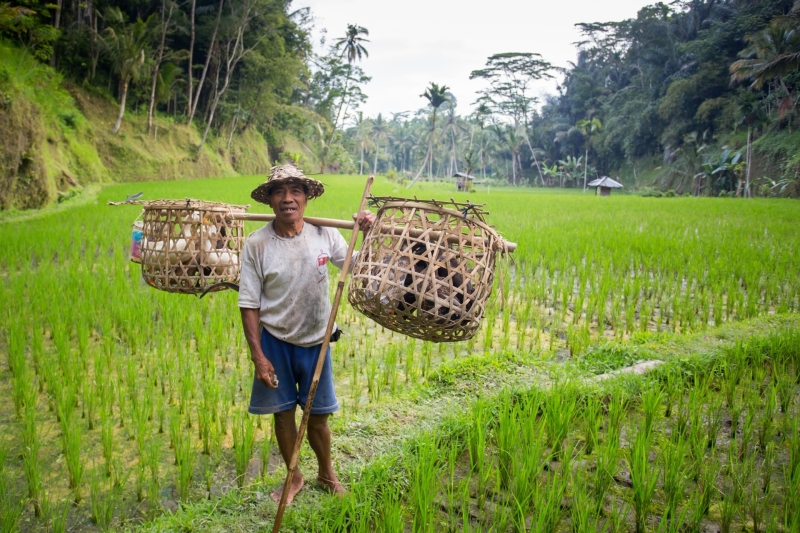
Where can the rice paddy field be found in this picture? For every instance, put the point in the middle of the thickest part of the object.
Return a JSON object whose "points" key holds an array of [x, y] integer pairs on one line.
{"points": [[123, 407]]}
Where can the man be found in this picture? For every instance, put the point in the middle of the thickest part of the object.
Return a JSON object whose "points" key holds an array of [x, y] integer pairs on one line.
{"points": [[283, 298]]}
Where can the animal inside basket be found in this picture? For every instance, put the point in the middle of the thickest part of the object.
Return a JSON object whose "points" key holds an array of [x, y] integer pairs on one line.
{"points": [[190, 245], [426, 268]]}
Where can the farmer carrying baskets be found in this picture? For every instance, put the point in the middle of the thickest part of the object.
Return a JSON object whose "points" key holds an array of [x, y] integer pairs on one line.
{"points": [[285, 307]]}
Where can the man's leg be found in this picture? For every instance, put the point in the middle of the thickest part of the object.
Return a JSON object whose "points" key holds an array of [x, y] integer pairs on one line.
{"points": [[319, 437], [286, 435]]}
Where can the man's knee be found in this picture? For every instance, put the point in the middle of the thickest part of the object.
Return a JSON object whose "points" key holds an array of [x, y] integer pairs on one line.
{"points": [[318, 423], [284, 420]]}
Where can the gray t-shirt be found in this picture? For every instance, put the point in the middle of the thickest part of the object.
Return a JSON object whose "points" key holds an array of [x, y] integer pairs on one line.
{"points": [[286, 279]]}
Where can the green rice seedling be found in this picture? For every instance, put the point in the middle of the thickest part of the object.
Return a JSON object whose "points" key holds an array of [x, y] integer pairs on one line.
{"points": [[643, 478], [651, 403], [56, 515], [243, 441], [675, 474], [591, 420], [107, 439], [713, 420], [784, 385], [507, 435], [477, 435], [617, 407], [152, 459], [583, 514], [707, 485], [766, 426], [11, 505], [187, 458], [72, 444], [755, 503], [103, 503], [618, 517], [559, 409], [390, 516], [791, 502], [748, 428], [547, 503], [729, 508], [606, 468], [767, 468], [423, 475]]}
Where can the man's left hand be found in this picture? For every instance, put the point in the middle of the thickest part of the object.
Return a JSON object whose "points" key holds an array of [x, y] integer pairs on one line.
{"points": [[364, 220]]}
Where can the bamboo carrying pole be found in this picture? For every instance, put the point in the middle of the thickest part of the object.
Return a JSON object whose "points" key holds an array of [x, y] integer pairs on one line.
{"points": [[312, 391], [348, 224]]}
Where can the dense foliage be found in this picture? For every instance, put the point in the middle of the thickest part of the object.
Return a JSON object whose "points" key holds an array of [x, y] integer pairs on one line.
{"points": [[226, 66]]}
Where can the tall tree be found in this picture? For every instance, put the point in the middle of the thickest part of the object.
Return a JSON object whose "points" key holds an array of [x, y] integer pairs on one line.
{"points": [[588, 127], [350, 47], [380, 131], [436, 96], [127, 46], [166, 19]]}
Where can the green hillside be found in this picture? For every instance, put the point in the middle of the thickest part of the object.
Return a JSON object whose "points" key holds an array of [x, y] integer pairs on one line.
{"points": [[56, 138]]}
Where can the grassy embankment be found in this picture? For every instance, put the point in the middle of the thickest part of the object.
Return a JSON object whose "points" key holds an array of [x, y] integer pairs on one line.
{"points": [[55, 139]]}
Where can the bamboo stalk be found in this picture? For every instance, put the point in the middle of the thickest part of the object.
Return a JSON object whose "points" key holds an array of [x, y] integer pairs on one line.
{"points": [[312, 391], [348, 224]]}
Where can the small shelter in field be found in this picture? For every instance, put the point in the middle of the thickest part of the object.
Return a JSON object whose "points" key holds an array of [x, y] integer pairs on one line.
{"points": [[463, 181], [604, 185]]}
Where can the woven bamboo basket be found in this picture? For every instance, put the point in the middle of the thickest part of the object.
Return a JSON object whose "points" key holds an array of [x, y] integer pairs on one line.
{"points": [[190, 245], [426, 268]]}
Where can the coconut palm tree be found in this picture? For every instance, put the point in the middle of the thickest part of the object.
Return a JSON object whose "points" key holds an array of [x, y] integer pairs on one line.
{"points": [[380, 130], [436, 96], [351, 48], [127, 46], [587, 128]]}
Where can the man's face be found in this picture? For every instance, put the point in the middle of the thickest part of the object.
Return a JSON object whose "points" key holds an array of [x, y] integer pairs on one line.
{"points": [[289, 201]]}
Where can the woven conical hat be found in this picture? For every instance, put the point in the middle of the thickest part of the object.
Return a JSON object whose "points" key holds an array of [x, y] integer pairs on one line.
{"points": [[285, 174]]}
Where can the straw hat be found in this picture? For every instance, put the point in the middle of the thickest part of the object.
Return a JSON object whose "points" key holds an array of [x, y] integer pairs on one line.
{"points": [[285, 174]]}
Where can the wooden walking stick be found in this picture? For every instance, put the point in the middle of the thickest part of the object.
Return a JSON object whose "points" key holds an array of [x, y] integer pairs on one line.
{"points": [[318, 370]]}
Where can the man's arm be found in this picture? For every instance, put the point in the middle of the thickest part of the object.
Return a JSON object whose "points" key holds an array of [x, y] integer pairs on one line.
{"points": [[265, 373]]}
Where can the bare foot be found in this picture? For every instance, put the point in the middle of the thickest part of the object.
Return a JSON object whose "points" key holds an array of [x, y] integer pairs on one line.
{"points": [[332, 485], [297, 484]]}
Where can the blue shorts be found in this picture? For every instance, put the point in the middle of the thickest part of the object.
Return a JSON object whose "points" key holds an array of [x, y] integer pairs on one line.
{"points": [[294, 368]]}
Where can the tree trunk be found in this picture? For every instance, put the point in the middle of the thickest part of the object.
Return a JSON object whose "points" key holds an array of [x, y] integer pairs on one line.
{"points": [[196, 96], [234, 52], [377, 150], [154, 83], [341, 104], [123, 97], [585, 166], [56, 25], [747, 193], [190, 79], [361, 168]]}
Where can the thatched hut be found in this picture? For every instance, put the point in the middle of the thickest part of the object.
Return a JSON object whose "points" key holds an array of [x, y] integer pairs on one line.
{"points": [[604, 185]]}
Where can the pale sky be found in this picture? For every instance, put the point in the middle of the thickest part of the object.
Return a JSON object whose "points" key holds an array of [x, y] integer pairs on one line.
{"points": [[414, 42]]}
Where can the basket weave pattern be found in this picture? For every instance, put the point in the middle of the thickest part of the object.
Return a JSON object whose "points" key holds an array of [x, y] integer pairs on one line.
{"points": [[425, 269], [189, 245]]}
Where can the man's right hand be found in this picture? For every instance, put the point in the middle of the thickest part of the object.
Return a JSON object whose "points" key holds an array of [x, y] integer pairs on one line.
{"points": [[265, 373]]}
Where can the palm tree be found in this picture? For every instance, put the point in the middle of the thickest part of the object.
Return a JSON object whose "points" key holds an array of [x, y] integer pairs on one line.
{"points": [[126, 46], [772, 53], [587, 128], [351, 48], [363, 128], [380, 130], [752, 114], [436, 96], [351, 43]]}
